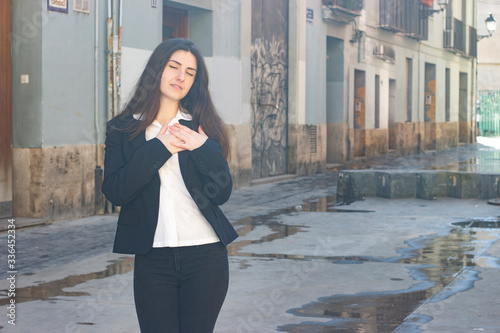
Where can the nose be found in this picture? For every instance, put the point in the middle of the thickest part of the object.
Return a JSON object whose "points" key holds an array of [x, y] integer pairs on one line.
{"points": [[181, 76]]}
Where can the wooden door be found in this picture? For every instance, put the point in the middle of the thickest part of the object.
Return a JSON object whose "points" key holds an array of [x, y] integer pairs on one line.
{"points": [[5, 109], [269, 88], [174, 23]]}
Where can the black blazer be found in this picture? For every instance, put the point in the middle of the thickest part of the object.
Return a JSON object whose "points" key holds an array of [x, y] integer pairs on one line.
{"points": [[131, 180]]}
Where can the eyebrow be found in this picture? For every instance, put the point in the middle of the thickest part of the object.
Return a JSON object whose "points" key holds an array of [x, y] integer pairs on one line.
{"points": [[178, 63]]}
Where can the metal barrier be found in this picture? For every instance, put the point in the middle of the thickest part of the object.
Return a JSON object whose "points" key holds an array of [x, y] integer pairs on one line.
{"points": [[488, 119]]}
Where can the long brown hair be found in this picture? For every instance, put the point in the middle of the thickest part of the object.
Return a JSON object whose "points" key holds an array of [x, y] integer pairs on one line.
{"points": [[145, 101]]}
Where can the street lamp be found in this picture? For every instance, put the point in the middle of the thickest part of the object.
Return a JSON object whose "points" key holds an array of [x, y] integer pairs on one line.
{"points": [[491, 26], [429, 12]]}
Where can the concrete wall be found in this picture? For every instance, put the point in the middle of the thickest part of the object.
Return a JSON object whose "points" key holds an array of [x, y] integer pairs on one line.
{"points": [[141, 33], [28, 19], [67, 79], [54, 125]]}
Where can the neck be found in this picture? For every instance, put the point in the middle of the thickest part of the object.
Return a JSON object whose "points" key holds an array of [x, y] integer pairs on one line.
{"points": [[168, 110]]}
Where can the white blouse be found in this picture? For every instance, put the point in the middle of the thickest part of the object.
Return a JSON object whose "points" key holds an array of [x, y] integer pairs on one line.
{"points": [[180, 221]]}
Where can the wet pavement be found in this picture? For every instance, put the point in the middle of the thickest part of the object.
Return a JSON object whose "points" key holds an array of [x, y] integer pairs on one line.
{"points": [[480, 157], [304, 262]]}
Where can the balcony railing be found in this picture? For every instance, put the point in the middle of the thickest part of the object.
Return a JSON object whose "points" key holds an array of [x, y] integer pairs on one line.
{"points": [[416, 25], [404, 16], [350, 5], [342, 10], [454, 39], [472, 42], [392, 15]]}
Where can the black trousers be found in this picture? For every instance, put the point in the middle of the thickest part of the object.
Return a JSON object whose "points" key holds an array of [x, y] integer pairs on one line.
{"points": [[180, 289]]}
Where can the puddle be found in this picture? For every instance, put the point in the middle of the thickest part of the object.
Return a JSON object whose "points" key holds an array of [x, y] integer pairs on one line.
{"points": [[439, 260], [278, 230], [53, 289], [49, 290], [493, 223], [328, 204]]}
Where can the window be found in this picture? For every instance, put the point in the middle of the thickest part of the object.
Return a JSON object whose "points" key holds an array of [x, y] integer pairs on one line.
{"points": [[403, 16], [174, 23], [81, 6], [377, 101], [409, 88], [447, 97]]}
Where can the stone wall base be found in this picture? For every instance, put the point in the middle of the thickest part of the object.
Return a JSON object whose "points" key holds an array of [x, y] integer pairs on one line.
{"points": [[307, 149], [54, 183], [240, 163]]}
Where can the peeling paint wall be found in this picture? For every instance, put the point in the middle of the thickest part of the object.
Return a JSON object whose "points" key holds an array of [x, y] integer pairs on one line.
{"points": [[377, 142], [309, 158], [54, 183], [446, 135]]}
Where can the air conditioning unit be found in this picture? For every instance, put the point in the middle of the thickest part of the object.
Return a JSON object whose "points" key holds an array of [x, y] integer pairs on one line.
{"points": [[448, 39]]}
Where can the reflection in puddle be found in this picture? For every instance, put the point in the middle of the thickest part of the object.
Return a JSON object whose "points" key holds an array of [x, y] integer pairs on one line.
{"points": [[439, 259], [480, 223], [328, 204], [466, 158], [49, 290]]}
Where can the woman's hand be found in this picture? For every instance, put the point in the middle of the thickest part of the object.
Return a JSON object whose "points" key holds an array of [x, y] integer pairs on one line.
{"points": [[187, 138], [169, 140]]}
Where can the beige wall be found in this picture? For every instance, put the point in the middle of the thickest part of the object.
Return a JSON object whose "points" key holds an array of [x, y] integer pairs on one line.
{"points": [[488, 49]]}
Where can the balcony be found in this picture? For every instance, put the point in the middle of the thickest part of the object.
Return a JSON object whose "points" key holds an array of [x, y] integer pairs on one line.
{"points": [[404, 16], [416, 25], [392, 15], [472, 42], [454, 38], [343, 11]]}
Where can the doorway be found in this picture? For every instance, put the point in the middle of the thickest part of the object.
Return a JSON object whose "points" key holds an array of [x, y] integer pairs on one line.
{"points": [[335, 99], [430, 107], [175, 23], [392, 114], [5, 110], [359, 113], [462, 109], [269, 88]]}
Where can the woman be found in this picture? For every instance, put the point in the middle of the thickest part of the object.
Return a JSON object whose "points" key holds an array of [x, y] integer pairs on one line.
{"points": [[165, 164]]}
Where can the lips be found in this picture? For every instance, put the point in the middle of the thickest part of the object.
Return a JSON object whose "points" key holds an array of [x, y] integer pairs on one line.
{"points": [[176, 86]]}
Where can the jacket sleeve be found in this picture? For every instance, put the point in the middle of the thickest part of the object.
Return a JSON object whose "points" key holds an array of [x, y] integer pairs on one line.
{"points": [[214, 170], [124, 180]]}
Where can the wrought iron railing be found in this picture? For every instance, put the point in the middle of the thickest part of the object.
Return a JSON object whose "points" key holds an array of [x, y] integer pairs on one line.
{"points": [[454, 39], [459, 35], [488, 119], [416, 25], [472, 42], [392, 15], [404, 16], [350, 5]]}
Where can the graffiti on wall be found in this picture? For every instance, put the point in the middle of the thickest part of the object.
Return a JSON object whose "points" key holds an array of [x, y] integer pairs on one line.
{"points": [[269, 107]]}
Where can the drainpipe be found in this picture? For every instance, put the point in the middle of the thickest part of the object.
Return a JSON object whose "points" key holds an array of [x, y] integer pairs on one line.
{"points": [[109, 80], [110, 62], [114, 58], [119, 58], [99, 207]]}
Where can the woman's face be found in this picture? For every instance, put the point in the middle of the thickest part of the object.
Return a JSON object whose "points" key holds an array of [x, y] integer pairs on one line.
{"points": [[178, 75]]}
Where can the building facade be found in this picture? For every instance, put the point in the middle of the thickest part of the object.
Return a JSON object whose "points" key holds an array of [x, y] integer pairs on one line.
{"points": [[488, 72], [300, 84]]}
